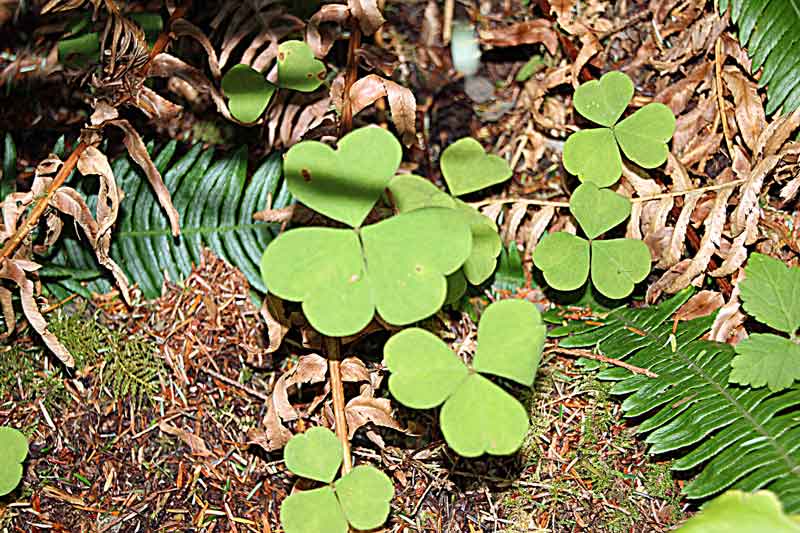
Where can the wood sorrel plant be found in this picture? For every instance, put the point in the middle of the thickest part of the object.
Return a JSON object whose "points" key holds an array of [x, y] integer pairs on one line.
{"points": [[398, 269]]}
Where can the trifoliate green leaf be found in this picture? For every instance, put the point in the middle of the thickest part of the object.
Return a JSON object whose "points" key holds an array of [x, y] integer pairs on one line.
{"points": [[770, 292], [563, 259], [398, 268], [13, 451], [313, 511], [618, 265], [298, 69], [343, 184], [742, 512], [480, 417], [456, 287], [593, 156], [766, 359], [643, 136], [247, 91], [598, 210], [410, 192], [510, 341], [467, 168], [603, 101], [315, 454], [364, 494], [424, 371]]}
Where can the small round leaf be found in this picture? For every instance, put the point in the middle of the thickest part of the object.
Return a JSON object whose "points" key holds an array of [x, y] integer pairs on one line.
{"points": [[563, 259], [364, 495], [593, 155], [247, 91], [315, 454], [13, 451], [598, 210], [298, 69], [480, 417], [618, 265], [424, 371], [643, 136], [603, 101], [313, 511], [467, 168], [343, 184], [510, 340]]}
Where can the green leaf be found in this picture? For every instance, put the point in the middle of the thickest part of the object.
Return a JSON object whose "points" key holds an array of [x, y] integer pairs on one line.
{"points": [[593, 155], [364, 494], [510, 341], [742, 512], [9, 175], [247, 91], [315, 454], [79, 51], [598, 210], [480, 417], [531, 67], [400, 273], [486, 245], [424, 371], [313, 511], [563, 259], [467, 168], [510, 274], [766, 359], [298, 69], [411, 192], [456, 287], [643, 136], [770, 292], [343, 184], [605, 100], [14, 448], [618, 265]]}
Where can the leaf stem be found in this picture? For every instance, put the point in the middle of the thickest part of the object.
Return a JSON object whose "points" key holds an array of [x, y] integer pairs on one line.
{"points": [[350, 77], [333, 349]]}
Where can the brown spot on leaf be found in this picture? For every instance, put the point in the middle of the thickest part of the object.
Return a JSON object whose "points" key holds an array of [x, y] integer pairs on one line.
{"points": [[306, 174]]}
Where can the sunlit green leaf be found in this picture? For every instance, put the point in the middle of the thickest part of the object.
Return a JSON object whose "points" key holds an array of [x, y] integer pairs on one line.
{"points": [[13, 451], [313, 511], [315, 454], [298, 69], [771, 292], [364, 494], [643, 136], [742, 512], [593, 155], [598, 210], [603, 101], [563, 259], [766, 359], [467, 168], [410, 192], [618, 265], [247, 91]]}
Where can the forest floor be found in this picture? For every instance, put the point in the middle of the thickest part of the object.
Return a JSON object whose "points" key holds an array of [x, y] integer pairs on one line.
{"points": [[175, 447]]}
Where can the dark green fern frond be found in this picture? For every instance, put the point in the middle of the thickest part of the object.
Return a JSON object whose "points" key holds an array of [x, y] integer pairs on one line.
{"points": [[737, 437], [216, 202], [770, 31]]}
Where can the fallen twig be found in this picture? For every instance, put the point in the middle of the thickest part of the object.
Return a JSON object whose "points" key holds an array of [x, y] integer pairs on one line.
{"points": [[603, 358]]}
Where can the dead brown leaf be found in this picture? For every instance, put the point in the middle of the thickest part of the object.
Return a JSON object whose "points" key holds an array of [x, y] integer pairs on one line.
{"points": [[749, 110], [370, 88], [195, 443], [519, 33], [701, 304], [368, 15]]}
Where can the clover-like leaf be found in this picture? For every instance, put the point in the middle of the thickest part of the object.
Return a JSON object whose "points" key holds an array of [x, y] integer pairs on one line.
{"points": [[510, 341], [593, 156], [478, 416], [618, 265], [364, 494], [598, 210], [771, 292], [411, 192], [742, 512], [13, 451], [766, 359], [315, 454], [247, 91], [298, 69], [343, 184], [456, 287], [467, 168], [563, 258], [397, 267], [643, 136], [313, 511], [603, 101]]}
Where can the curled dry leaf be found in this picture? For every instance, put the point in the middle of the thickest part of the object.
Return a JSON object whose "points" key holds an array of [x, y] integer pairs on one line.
{"points": [[749, 110], [519, 33], [168, 66], [195, 443], [368, 15], [184, 28], [156, 106], [365, 409], [727, 325], [277, 323], [310, 369], [538, 226], [590, 46], [701, 304], [319, 36], [7, 308]]}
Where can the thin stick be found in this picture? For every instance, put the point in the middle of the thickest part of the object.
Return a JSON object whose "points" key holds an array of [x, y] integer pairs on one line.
{"points": [[351, 75], [603, 358], [333, 348], [225, 379], [447, 23], [720, 100]]}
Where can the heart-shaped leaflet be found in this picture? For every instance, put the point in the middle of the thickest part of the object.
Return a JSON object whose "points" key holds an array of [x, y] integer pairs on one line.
{"points": [[298, 69], [603, 101], [643, 136], [315, 454], [466, 167], [14, 448], [598, 210], [343, 184], [247, 91]]}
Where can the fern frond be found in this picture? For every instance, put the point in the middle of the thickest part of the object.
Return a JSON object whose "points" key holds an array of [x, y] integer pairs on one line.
{"points": [[216, 202], [738, 437], [770, 30]]}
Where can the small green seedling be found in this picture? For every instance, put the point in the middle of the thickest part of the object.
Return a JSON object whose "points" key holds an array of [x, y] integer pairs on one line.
{"points": [[248, 92], [360, 499], [477, 416], [742, 512], [13, 451], [770, 293], [616, 264], [467, 168], [298, 69], [593, 155]]}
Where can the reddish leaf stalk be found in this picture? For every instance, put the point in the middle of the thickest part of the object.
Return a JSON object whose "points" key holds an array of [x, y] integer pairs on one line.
{"points": [[333, 348]]}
